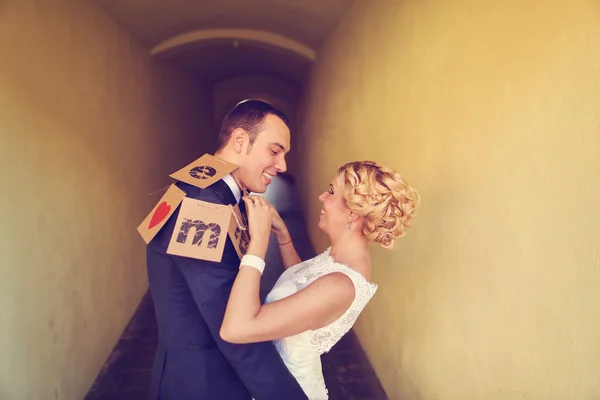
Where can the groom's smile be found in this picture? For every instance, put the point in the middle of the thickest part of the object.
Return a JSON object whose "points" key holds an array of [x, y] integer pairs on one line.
{"points": [[265, 158]]}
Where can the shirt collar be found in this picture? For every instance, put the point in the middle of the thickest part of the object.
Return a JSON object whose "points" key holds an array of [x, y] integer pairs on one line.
{"points": [[237, 193]]}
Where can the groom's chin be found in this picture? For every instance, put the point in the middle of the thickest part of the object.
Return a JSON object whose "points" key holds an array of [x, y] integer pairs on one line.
{"points": [[258, 188]]}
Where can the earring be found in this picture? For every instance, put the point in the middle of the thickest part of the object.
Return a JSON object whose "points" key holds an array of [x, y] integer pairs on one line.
{"points": [[348, 226]]}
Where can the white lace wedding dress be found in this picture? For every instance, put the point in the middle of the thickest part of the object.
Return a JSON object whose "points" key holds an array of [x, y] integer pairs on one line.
{"points": [[302, 353]]}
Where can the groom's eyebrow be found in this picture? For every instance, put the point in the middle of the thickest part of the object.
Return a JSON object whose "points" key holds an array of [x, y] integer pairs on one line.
{"points": [[278, 145]]}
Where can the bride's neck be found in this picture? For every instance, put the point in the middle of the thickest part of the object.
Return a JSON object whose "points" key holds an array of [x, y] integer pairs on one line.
{"points": [[350, 250]]}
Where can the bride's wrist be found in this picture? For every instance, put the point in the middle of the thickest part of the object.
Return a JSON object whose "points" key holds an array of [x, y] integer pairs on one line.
{"points": [[257, 249], [283, 238]]}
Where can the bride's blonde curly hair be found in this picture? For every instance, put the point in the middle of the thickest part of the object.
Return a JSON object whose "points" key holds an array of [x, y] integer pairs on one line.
{"points": [[381, 196]]}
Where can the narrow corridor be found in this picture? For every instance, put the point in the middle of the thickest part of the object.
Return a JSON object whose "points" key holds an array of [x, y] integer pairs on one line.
{"points": [[348, 373], [489, 109]]}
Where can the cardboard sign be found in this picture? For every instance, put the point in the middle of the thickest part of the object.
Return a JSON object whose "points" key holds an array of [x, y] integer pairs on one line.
{"points": [[238, 231], [200, 230], [204, 171], [161, 213]]}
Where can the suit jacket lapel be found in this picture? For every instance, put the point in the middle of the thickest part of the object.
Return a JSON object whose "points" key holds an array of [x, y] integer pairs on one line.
{"points": [[223, 192]]}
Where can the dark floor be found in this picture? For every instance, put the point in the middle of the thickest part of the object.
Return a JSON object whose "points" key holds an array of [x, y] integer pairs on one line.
{"points": [[126, 373]]}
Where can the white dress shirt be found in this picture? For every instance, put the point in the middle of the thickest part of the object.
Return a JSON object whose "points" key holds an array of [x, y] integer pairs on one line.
{"points": [[237, 193]]}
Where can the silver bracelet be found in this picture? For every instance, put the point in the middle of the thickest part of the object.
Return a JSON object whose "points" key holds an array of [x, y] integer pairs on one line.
{"points": [[254, 262]]}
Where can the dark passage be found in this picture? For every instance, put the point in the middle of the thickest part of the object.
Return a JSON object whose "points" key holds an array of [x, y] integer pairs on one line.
{"points": [[126, 373]]}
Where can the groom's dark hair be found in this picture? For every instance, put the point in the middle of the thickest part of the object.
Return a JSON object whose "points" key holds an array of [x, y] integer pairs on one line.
{"points": [[248, 115]]}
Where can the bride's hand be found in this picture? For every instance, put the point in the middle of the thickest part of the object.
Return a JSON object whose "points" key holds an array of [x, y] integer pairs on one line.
{"points": [[278, 226], [260, 217]]}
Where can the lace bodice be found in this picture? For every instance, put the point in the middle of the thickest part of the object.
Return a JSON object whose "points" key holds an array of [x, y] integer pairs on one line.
{"points": [[301, 353]]}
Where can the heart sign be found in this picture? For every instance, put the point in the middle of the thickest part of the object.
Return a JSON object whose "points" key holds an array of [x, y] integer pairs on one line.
{"points": [[161, 212]]}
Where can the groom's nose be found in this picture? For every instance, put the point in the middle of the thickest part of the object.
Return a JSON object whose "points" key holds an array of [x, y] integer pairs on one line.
{"points": [[281, 165]]}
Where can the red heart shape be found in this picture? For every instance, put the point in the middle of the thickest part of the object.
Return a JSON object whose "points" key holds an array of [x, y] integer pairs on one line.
{"points": [[161, 212]]}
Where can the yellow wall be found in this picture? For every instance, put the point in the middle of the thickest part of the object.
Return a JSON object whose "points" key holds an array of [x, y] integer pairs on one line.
{"points": [[279, 92], [89, 126], [492, 111]]}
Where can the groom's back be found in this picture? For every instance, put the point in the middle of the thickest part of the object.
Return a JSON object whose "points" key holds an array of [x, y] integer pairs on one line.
{"points": [[188, 362]]}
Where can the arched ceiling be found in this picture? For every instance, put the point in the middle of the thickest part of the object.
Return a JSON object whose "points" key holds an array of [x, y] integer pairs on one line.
{"points": [[219, 39]]}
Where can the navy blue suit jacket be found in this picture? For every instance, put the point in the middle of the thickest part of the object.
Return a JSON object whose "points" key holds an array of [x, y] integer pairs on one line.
{"points": [[190, 297]]}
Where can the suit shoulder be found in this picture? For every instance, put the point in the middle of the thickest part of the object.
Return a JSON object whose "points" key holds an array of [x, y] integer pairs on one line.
{"points": [[194, 192]]}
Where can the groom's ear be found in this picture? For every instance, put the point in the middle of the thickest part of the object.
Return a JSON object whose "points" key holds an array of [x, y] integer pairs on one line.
{"points": [[238, 139]]}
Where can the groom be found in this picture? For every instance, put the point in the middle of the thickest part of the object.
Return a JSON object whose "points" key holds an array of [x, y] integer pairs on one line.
{"points": [[190, 295]]}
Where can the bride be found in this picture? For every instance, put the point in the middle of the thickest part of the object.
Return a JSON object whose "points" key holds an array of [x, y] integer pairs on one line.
{"points": [[315, 302]]}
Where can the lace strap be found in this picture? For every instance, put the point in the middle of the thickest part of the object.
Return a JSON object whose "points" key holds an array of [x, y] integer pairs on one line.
{"points": [[323, 339]]}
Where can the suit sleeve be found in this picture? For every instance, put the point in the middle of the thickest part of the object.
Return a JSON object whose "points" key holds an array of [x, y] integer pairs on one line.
{"points": [[258, 365]]}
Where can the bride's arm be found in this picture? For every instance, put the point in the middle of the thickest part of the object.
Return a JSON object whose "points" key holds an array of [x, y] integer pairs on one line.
{"points": [[317, 305], [289, 255]]}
